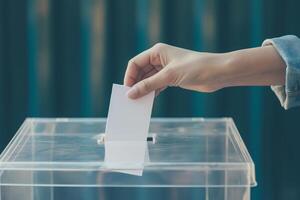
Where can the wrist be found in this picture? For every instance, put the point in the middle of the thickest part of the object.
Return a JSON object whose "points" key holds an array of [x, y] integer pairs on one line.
{"points": [[213, 71]]}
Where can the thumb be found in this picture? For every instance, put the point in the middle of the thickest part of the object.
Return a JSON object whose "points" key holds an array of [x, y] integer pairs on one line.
{"points": [[158, 80]]}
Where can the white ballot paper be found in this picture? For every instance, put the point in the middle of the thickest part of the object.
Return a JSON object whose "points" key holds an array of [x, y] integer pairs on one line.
{"points": [[126, 131]]}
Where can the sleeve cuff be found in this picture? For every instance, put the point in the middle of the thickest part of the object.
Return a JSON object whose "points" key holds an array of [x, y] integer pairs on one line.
{"points": [[288, 48]]}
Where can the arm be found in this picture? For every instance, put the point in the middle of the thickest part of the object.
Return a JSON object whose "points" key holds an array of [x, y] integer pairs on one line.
{"points": [[260, 66], [164, 65]]}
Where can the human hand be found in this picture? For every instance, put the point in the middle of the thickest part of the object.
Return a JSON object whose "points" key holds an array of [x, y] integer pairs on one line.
{"points": [[165, 65]]}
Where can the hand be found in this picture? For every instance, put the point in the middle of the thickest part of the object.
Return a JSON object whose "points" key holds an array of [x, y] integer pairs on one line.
{"points": [[164, 65]]}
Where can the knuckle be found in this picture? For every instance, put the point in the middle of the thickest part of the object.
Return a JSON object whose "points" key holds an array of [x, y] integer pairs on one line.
{"points": [[159, 46], [131, 62]]}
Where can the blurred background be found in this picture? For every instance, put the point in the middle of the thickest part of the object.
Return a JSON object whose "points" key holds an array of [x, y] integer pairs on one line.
{"points": [[59, 58]]}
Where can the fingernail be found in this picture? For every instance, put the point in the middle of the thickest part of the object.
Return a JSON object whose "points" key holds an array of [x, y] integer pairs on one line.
{"points": [[132, 92]]}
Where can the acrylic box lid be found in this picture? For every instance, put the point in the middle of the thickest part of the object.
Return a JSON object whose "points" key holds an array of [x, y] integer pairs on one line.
{"points": [[183, 152]]}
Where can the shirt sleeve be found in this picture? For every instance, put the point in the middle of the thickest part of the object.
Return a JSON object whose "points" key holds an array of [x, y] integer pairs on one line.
{"points": [[288, 48]]}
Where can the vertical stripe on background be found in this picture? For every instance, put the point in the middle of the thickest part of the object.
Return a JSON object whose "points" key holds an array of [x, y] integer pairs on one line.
{"points": [[154, 21], [198, 12], [142, 21], [98, 52], [256, 98], [32, 34], [67, 56], [85, 86], [3, 35], [45, 75], [17, 62], [198, 99]]}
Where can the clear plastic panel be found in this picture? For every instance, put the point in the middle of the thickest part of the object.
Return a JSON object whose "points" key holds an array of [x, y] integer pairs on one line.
{"points": [[183, 153]]}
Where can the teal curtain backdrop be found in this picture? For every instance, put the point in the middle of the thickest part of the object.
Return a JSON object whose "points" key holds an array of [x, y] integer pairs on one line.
{"points": [[59, 58]]}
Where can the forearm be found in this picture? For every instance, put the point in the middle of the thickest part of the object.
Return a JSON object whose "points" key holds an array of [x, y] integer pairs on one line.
{"points": [[256, 66]]}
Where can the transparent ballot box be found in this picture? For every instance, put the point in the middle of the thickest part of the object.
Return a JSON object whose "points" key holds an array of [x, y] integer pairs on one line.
{"points": [[189, 158]]}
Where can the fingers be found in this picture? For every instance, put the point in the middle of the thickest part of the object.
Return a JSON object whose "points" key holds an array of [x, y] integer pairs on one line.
{"points": [[144, 62], [145, 72], [154, 82], [136, 67]]}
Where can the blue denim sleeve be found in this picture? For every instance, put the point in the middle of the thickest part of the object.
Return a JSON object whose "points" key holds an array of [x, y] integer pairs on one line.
{"points": [[289, 49]]}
